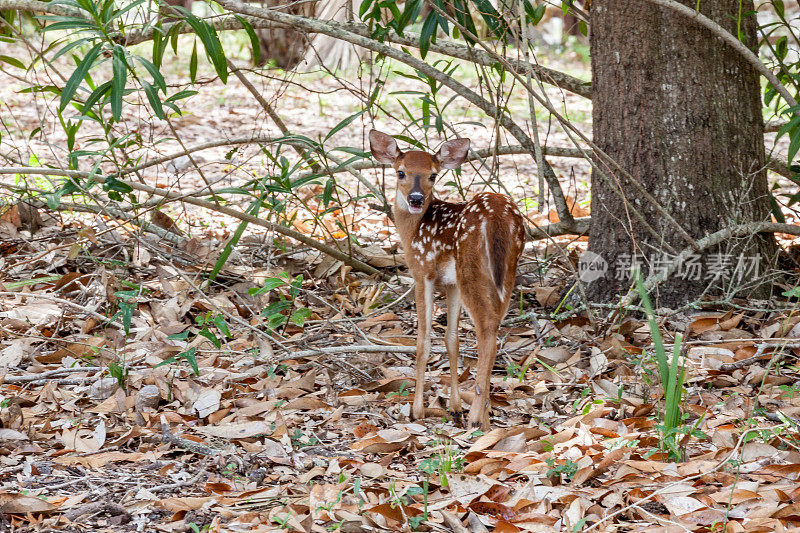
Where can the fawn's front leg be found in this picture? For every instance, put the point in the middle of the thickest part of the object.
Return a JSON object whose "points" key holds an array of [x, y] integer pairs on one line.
{"points": [[423, 296], [451, 342]]}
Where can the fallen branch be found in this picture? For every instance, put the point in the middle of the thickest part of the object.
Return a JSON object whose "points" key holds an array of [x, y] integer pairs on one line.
{"points": [[50, 373], [705, 243], [194, 447]]}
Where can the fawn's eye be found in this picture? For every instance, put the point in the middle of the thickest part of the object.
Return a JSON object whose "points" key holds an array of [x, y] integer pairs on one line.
{"points": [[433, 176], [401, 175]]}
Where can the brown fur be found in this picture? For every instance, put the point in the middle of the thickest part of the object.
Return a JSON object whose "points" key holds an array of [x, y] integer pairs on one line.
{"points": [[468, 249]]}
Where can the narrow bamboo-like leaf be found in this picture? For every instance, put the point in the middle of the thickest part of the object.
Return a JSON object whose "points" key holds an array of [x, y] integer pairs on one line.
{"points": [[77, 24], [193, 63], [77, 76], [119, 12], [343, 124], [364, 7], [492, 17], [789, 126], [226, 252], [96, 95], [794, 144], [13, 61], [120, 72], [158, 78], [70, 46], [180, 95], [152, 97], [159, 46], [427, 34], [658, 341], [254, 42], [208, 36]]}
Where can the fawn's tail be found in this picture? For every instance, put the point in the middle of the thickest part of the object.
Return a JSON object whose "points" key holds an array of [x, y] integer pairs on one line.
{"points": [[498, 243]]}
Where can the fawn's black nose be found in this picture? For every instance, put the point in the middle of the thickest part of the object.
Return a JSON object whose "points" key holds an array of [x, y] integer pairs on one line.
{"points": [[416, 199]]}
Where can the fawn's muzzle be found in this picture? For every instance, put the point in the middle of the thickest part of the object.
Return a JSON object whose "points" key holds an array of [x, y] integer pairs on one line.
{"points": [[416, 199]]}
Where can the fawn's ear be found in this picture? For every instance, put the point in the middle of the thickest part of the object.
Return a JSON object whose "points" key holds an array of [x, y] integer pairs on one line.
{"points": [[383, 147], [453, 153]]}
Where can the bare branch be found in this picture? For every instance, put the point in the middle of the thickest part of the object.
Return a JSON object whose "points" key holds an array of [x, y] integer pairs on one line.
{"points": [[705, 243], [411, 39]]}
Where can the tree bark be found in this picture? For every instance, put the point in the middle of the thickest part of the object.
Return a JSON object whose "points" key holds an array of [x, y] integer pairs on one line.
{"points": [[680, 110], [285, 46]]}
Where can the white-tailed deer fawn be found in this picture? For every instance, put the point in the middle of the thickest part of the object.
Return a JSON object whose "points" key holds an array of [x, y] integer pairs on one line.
{"points": [[470, 250]]}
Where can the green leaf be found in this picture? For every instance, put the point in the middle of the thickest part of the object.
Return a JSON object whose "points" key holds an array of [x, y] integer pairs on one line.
{"points": [[158, 78], [77, 76], [226, 252], [299, 317], [152, 97], [191, 358], [210, 336], [492, 17], [343, 124], [113, 184], [96, 95], [119, 12], [180, 95], [70, 46], [120, 71], [208, 36], [364, 7], [782, 48], [159, 46], [14, 62], [71, 25], [193, 63], [219, 321], [779, 8], [427, 33], [254, 42], [794, 144], [350, 150]]}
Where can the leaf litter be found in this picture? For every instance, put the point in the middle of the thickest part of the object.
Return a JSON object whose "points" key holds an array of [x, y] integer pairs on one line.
{"points": [[98, 432]]}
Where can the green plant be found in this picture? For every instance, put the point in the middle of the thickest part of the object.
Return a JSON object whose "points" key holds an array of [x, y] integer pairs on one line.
{"points": [[205, 322], [401, 392], [283, 311], [198, 529], [671, 373], [119, 372], [517, 371], [565, 470], [300, 440]]}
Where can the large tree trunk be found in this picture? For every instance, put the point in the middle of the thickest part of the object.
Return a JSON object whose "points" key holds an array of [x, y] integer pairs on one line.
{"points": [[284, 46], [681, 112]]}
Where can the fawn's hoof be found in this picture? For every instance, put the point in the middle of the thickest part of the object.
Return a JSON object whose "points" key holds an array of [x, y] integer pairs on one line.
{"points": [[458, 417]]}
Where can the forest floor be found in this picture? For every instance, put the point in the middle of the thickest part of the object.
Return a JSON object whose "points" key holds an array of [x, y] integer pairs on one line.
{"points": [[137, 396]]}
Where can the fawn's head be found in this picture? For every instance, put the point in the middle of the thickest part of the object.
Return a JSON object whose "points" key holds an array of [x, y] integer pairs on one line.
{"points": [[416, 170]]}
